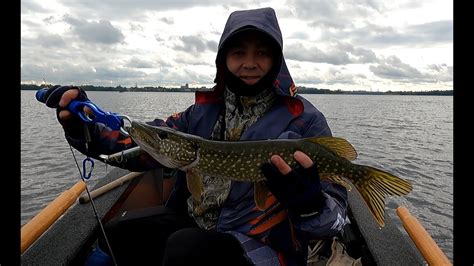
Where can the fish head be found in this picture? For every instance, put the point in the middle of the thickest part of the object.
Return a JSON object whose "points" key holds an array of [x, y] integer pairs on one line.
{"points": [[171, 148], [146, 136]]}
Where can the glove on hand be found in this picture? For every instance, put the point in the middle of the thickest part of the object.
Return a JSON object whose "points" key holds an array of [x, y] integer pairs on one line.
{"points": [[53, 95], [73, 127], [299, 190]]}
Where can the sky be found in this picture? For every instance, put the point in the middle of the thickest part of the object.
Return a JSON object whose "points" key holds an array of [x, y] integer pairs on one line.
{"points": [[371, 45]]}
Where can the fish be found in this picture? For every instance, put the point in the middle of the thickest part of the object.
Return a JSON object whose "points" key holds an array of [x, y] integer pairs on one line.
{"points": [[242, 161]]}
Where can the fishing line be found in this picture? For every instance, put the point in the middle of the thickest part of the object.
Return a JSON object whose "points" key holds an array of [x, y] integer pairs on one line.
{"points": [[93, 207]]}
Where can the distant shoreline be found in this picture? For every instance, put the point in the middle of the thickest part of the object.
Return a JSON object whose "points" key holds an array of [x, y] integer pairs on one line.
{"points": [[301, 90]]}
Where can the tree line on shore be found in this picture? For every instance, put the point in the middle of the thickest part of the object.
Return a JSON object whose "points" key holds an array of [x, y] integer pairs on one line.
{"points": [[301, 90]]}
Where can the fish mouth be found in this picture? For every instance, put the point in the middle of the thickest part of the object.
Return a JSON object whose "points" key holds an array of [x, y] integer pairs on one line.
{"points": [[143, 134]]}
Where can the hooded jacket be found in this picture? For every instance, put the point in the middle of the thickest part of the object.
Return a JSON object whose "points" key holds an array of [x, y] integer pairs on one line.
{"points": [[269, 236]]}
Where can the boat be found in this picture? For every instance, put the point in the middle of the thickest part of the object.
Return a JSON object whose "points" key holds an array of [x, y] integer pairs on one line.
{"points": [[71, 237]]}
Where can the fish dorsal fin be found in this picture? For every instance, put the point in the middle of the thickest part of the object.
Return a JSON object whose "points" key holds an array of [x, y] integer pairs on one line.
{"points": [[339, 146]]}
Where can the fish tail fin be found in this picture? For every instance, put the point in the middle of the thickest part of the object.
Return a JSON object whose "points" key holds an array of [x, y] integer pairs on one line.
{"points": [[379, 185]]}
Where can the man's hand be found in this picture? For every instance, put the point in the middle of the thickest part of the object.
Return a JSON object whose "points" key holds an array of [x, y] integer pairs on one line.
{"points": [[60, 96], [299, 189], [284, 168]]}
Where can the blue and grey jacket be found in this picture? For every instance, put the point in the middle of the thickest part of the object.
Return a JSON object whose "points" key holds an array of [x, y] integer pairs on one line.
{"points": [[268, 236]]}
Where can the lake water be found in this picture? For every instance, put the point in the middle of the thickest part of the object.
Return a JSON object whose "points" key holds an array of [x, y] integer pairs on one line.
{"points": [[409, 136]]}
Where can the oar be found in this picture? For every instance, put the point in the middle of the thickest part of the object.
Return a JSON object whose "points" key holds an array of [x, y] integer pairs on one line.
{"points": [[43, 220], [109, 186], [422, 239]]}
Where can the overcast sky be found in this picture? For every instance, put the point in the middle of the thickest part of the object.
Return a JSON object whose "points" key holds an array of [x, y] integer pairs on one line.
{"points": [[348, 45]]}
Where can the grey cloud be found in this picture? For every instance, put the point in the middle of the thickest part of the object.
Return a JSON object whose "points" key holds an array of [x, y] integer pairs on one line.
{"points": [[328, 23], [393, 68], [158, 38], [339, 54], [32, 7], [212, 45], [102, 32], [301, 53], [57, 73], [334, 14], [441, 72], [307, 80], [139, 63], [437, 67], [336, 19], [191, 60], [299, 35], [365, 56], [421, 34], [113, 73], [30, 23], [371, 33], [65, 73], [358, 55], [135, 27], [112, 9], [437, 31], [335, 76], [313, 9], [169, 21], [51, 40], [195, 44], [51, 20]]}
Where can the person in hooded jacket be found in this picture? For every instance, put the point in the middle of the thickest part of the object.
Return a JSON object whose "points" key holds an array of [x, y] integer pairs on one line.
{"points": [[254, 99]]}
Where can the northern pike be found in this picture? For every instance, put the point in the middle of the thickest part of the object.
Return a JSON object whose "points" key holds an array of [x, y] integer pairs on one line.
{"points": [[241, 161]]}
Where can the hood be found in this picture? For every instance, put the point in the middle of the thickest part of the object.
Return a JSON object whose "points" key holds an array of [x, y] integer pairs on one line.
{"points": [[265, 20]]}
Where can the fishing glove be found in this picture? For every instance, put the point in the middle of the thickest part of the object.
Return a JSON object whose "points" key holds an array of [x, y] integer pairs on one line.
{"points": [[299, 190], [73, 127]]}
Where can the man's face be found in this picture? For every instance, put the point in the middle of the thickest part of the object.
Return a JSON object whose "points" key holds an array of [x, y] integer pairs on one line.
{"points": [[250, 57]]}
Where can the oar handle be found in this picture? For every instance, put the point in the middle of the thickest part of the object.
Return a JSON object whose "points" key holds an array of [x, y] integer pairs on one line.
{"points": [[109, 186], [45, 218], [422, 239]]}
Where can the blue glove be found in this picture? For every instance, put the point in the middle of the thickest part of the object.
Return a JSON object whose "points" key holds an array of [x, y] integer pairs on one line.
{"points": [[52, 96], [73, 127], [299, 190]]}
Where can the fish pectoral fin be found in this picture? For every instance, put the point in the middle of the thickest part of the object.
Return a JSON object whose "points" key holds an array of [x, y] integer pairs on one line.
{"points": [[339, 146], [194, 182], [260, 194]]}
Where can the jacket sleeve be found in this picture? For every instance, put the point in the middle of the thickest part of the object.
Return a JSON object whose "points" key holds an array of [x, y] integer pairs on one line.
{"points": [[106, 141]]}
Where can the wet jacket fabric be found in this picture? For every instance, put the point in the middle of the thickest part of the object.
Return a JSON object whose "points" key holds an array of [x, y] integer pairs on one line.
{"points": [[269, 237]]}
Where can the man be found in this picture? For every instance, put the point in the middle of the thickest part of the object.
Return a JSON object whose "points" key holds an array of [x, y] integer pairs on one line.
{"points": [[254, 98]]}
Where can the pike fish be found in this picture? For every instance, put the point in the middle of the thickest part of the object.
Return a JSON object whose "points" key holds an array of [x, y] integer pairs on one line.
{"points": [[241, 161]]}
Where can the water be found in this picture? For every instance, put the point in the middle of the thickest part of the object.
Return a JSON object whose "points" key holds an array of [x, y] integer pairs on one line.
{"points": [[410, 136]]}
